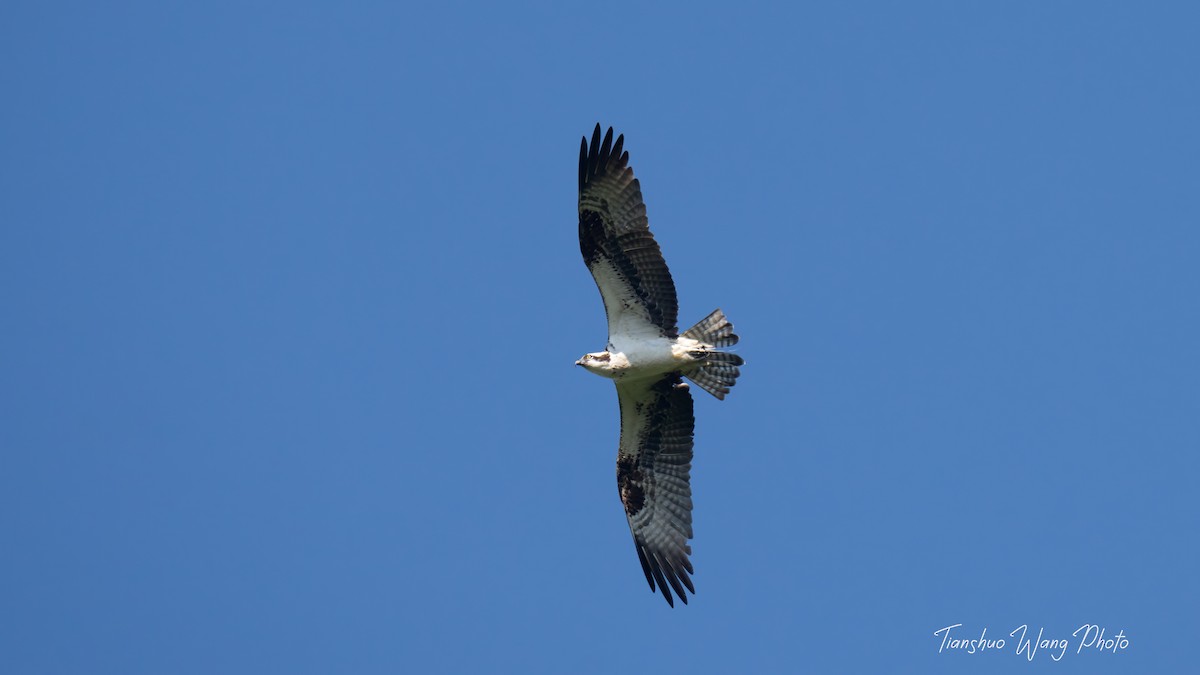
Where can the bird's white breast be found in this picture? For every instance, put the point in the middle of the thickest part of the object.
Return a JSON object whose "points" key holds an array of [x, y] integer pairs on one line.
{"points": [[648, 356]]}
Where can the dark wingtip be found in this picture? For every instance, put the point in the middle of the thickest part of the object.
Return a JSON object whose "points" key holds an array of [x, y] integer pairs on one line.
{"points": [[645, 564], [662, 584], [606, 147], [583, 162], [596, 157], [685, 579], [592, 154], [667, 576]]}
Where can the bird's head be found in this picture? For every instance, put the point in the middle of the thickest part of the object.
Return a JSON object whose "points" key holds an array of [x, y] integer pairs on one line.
{"points": [[600, 363]]}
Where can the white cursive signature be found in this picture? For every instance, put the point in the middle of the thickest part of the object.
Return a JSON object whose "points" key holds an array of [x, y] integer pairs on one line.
{"points": [[1090, 636]]}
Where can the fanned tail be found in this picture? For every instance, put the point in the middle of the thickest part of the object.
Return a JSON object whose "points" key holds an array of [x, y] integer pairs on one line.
{"points": [[715, 372], [713, 329]]}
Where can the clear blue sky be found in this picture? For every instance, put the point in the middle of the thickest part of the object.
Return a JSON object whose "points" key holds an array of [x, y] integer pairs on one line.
{"points": [[291, 296]]}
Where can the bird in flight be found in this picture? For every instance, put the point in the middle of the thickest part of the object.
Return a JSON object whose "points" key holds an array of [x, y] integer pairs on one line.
{"points": [[647, 358]]}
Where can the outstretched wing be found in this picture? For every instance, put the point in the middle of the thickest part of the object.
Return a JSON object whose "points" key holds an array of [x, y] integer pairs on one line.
{"points": [[614, 237], [653, 464]]}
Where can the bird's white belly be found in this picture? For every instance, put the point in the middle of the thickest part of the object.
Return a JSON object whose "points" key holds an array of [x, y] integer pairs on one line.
{"points": [[648, 357]]}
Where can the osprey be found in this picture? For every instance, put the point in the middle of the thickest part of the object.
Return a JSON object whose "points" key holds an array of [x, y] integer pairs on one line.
{"points": [[647, 358]]}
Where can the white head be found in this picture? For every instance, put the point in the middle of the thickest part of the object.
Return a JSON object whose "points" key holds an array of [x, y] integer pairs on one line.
{"points": [[600, 363]]}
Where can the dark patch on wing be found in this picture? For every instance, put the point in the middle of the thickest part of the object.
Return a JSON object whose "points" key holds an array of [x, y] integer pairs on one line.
{"points": [[629, 485], [653, 480], [613, 227]]}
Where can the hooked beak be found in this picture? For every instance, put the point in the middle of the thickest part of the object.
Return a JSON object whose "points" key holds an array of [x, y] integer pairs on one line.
{"points": [[579, 363]]}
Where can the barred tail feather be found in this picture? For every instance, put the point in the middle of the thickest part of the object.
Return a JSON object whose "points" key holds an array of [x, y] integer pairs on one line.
{"points": [[715, 372], [713, 329]]}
